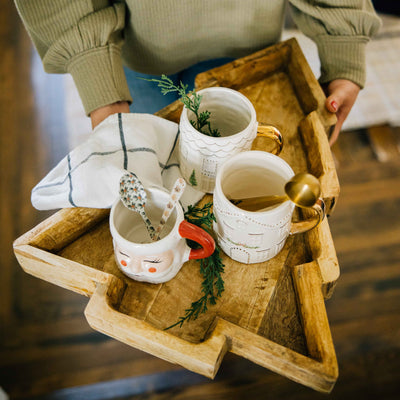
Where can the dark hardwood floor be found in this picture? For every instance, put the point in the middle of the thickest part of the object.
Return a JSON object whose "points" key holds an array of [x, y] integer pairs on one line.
{"points": [[47, 349]]}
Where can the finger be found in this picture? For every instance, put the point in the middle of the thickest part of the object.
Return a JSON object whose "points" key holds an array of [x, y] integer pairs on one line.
{"points": [[334, 102], [335, 134], [341, 117]]}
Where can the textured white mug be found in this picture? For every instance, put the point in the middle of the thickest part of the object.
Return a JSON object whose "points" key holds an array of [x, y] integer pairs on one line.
{"points": [[234, 116], [255, 236], [142, 259]]}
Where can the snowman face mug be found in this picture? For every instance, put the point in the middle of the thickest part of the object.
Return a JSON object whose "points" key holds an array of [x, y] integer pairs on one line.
{"points": [[256, 236], [234, 116], [143, 259]]}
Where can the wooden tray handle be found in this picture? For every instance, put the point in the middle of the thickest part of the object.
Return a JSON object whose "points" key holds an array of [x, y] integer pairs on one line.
{"points": [[203, 358]]}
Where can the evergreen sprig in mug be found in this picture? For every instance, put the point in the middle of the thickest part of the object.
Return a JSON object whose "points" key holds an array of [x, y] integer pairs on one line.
{"points": [[234, 116]]}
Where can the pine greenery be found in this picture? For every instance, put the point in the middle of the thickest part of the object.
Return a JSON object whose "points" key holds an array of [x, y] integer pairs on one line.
{"points": [[211, 268], [192, 179], [191, 101]]}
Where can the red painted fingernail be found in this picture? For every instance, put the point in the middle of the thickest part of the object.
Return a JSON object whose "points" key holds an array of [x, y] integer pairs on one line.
{"points": [[334, 105]]}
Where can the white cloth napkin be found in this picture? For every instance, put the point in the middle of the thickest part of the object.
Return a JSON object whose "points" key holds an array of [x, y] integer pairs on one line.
{"points": [[89, 175]]}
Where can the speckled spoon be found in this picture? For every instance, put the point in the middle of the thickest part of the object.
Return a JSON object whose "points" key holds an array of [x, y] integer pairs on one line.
{"points": [[133, 196], [175, 195]]}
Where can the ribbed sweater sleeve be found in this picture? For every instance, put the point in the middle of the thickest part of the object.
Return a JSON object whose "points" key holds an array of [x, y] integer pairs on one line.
{"points": [[341, 30], [83, 38]]}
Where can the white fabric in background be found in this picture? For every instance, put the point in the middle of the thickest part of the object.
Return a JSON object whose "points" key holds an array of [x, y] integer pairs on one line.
{"points": [[89, 175], [379, 102]]}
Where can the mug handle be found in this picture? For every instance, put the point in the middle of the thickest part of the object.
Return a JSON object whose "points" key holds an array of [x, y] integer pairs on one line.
{"points": [[308, 224], [195, 233], [272, 133]]}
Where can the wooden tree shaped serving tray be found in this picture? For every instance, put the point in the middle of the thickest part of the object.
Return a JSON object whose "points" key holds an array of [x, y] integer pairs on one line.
{"points": [[272, 313]]}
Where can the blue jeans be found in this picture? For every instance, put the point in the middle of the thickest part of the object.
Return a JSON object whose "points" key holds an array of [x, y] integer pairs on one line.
{"points": [[147, 96]]}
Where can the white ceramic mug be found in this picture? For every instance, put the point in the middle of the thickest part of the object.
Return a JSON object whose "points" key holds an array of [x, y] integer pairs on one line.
{"points": [[234, 116], [142, 259], [255, 236]]}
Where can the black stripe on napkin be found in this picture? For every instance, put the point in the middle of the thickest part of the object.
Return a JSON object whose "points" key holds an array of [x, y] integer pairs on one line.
{"points": [[170, 166], [121, 134], [70, 182], [170, 154]]}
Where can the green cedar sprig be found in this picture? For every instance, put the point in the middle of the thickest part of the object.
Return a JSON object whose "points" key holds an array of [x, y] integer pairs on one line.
{"points": [[192, 179], [191, 101], [201, 216], [211, 268]]}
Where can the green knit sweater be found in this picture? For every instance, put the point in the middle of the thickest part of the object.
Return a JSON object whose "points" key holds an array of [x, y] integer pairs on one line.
{"points": [[92, 39]]}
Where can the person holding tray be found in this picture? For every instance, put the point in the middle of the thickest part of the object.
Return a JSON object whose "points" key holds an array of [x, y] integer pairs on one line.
{"points": [[101, 42]]}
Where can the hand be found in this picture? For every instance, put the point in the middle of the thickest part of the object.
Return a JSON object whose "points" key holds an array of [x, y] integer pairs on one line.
{"points": [[342, 95], [100, 114]]}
